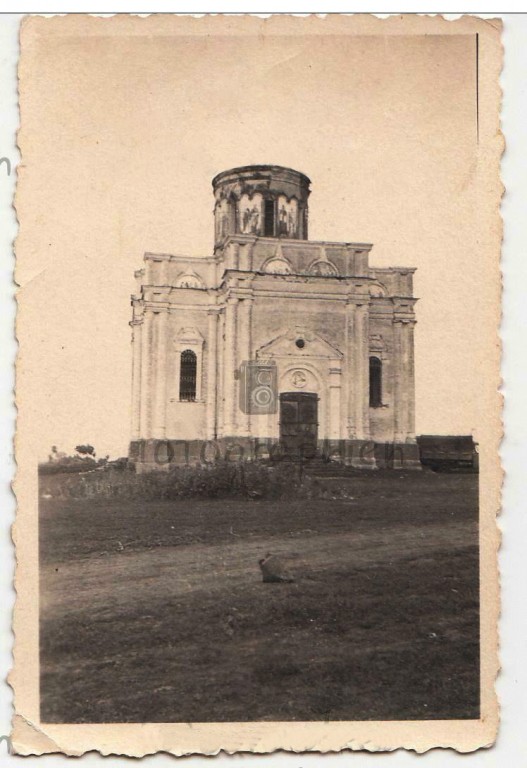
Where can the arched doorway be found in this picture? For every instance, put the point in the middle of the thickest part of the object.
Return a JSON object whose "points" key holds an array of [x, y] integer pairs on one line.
{"points": [[299, 424]]}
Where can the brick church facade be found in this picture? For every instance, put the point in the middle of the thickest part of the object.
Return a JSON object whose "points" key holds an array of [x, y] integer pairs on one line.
{"points": [[273, 345]]}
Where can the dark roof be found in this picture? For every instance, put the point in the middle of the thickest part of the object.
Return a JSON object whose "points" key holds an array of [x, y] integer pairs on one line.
{"points": [[257, 169]]}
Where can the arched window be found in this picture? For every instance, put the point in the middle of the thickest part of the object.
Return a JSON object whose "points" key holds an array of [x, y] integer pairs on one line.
{"points": [[375, 382], [269, 218], [187, 376]]}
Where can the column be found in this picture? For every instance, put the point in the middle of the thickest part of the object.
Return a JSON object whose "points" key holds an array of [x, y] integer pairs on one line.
{"points": [[212, 371], [160, 377], [231, 406], [244, 350], [136, 379], [145, 406]]}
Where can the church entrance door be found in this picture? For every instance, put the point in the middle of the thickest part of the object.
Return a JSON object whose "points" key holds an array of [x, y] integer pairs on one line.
{"points": [[299, 424]]}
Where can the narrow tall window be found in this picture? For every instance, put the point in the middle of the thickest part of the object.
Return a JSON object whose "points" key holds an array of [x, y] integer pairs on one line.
{"points": [[269, 219], [375, 382], [187, 376]]}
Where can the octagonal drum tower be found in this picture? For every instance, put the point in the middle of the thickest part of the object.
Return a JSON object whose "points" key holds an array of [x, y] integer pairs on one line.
{"points": [[261, 200]]}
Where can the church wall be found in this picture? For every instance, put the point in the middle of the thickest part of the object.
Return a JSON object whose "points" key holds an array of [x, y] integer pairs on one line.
{"points": [[398, 282], [349, 259], [381, 346], [185, 420], [274, 316], [165, 270], [202, 268], [271, 318]]}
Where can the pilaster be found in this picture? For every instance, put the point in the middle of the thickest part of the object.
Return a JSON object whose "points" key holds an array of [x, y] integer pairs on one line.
{"points": [[212, 374], [220, 399], [398, 382], [159, 370], [349, 390], [231, 316], [136, 378], [245, 254], [408, 334], [334, 405], [244, 347], [357, 370], [362, 351], [404, 377], [146, 362]]}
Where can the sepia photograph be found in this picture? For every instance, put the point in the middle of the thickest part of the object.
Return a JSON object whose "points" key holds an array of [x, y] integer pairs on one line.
{"points": [[257, 382]]}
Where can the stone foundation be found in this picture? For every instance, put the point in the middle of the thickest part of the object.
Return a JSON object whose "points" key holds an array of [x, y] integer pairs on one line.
{"points": [[149, 455]]}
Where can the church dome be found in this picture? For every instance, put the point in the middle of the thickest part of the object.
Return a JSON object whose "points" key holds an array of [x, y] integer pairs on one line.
{"points": [[261, 200]]}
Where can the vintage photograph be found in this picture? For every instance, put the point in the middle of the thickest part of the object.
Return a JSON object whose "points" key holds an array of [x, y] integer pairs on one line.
{"points": [[257, 380]]}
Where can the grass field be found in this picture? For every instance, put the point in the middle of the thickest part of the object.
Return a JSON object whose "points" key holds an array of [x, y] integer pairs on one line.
{"points": [[156, 611]]}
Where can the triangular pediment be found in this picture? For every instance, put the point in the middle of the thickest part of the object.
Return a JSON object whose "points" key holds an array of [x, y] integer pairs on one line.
{"points": [[289, 344], [189, 335]]}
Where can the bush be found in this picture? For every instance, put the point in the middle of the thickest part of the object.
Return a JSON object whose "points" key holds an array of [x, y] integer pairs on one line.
{"points": [[223, 480], [68, 465]]}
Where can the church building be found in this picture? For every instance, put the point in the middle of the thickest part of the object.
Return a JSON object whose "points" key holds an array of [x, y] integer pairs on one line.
{"points": [[275, 344]]}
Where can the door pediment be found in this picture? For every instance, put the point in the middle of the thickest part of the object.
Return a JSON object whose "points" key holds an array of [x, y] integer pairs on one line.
{"points": [[299, 342]]}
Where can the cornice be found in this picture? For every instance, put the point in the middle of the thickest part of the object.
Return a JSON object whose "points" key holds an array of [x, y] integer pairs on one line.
{"points": [[149, 256]]}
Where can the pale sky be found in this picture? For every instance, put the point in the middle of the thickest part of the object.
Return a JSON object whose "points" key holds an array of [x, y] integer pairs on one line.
{"points": [[121, 136]]}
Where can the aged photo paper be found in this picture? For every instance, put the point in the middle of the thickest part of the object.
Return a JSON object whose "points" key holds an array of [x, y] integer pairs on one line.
{"points": [[258, 270]]}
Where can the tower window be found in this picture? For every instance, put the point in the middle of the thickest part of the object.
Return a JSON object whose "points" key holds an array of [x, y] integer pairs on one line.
{"points": [[187, 376], [269, 218], [375, 382]]}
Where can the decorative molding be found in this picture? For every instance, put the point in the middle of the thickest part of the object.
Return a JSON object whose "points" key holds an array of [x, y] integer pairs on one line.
{"points": [[277, 265], [189, 336], [298, 379], [378, 290], [285, 346], [190, 280], [323, 268], [376, 343]]}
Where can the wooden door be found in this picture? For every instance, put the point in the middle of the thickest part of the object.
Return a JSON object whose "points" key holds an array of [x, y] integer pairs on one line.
{"points": [[299, 424]]}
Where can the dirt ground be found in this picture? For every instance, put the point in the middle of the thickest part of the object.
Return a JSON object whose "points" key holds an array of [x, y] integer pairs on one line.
{"points": [[156, 611]]}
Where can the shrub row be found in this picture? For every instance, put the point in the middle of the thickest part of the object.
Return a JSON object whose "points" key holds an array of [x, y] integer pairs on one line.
{"points": [[223, 480]]}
